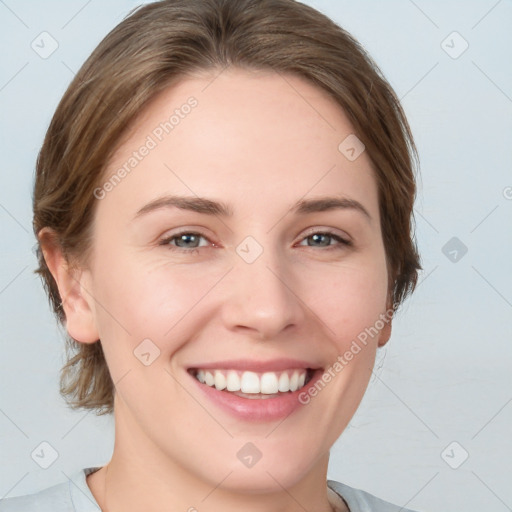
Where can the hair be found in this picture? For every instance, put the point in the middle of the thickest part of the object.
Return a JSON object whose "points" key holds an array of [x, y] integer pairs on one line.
{"points": [[164, 42]]}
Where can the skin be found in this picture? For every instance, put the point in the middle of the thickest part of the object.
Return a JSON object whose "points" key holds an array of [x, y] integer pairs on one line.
{"points": [[258, 141]]}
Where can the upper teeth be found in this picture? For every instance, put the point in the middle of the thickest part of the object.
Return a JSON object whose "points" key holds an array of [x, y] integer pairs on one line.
{"points": [[251, 382]]}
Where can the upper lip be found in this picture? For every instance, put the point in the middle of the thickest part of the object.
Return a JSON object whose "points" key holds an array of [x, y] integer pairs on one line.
{"points": [[272, 365]]}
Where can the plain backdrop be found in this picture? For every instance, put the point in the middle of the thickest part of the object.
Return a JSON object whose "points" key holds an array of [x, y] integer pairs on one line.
{"points": [[433, 431]]}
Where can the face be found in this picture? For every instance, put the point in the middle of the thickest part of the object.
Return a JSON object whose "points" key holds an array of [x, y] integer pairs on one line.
{"points": [[249, 281]]}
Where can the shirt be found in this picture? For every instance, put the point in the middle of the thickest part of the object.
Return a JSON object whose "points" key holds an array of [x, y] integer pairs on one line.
{"points": [[75, 496]]}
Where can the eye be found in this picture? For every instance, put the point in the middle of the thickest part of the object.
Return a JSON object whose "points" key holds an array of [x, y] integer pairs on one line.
{"points": [[324, 239], [186, 241]]}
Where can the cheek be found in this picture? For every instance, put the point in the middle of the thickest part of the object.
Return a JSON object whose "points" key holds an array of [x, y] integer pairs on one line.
{"points": [[349, 299], [141, 298]]}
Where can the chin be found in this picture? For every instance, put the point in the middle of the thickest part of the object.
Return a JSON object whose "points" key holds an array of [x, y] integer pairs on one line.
{"points": [[274, 469], [263, 480]]}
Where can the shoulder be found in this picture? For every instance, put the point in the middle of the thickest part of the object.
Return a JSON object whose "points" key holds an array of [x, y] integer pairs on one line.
{"points": [[70, 496], [361, 501], [55, 499]]}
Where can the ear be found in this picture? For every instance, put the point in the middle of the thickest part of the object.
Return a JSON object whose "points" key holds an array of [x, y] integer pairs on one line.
{"points": [[385, 333], [77, 303]]}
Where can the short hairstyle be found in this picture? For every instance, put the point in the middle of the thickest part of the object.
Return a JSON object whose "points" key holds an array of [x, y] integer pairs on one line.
{"points": [[164, 42]]}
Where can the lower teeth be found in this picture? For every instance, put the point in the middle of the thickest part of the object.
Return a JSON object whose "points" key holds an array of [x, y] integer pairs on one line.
{"points": [[254, 396]]}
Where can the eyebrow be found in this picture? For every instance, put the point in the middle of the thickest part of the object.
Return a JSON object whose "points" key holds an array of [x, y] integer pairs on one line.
{"points": [[212, 207]]}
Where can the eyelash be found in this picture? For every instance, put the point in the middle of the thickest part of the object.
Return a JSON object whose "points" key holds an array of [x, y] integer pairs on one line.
{"points": [[167, 241]]}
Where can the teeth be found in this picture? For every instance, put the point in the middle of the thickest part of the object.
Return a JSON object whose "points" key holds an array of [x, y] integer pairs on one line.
{"points": [[233, 381], [284, 382], [209, 379], [268, 383], [294, 381], [220, 381], [250, 383]]}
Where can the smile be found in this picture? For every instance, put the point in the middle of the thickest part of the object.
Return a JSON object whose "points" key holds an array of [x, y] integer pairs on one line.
{"points": [[255, 391], [254, 383]]}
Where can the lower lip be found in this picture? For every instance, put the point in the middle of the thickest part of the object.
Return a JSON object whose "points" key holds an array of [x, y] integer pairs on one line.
{"points": [[257, 409]]}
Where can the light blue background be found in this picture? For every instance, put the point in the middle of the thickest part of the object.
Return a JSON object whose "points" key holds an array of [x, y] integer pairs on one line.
{"points": [[446, 374]]}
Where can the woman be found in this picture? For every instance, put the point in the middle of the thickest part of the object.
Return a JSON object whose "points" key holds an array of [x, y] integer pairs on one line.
{"points": [[223, 206]]}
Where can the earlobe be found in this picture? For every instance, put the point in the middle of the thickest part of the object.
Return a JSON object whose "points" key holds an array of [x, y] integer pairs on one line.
{"points": [[77, 303], [385, 334]]}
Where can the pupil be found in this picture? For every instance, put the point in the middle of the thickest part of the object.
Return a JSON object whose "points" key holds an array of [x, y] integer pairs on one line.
{"points": [[316, 238], [187, 238]]}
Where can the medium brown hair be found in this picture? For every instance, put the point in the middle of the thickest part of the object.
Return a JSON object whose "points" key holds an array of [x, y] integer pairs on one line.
{"points": [[163, 42]]}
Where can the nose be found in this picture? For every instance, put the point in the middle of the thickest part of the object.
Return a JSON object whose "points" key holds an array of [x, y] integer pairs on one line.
{"points": [[262, 297]]}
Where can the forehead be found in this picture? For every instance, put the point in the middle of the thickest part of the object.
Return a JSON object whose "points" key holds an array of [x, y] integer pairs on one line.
{"points": [[262, 135]]}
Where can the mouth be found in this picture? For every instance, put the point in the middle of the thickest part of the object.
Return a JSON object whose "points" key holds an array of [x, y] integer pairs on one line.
{"points": [[254, 385], [255, 391]]}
